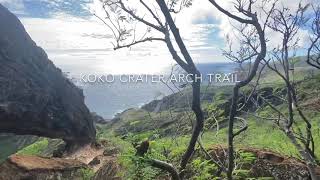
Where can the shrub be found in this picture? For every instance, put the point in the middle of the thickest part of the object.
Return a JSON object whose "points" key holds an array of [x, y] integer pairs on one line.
{"points": [[86, 173]]}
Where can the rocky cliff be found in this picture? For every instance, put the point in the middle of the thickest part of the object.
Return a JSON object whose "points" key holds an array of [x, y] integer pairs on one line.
{"points": [[35, 97]]}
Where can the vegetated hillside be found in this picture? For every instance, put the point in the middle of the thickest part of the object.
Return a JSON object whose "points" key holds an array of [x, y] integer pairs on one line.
{"points": [[173, 111], [164, 114], [263, 150], [35, 98]]}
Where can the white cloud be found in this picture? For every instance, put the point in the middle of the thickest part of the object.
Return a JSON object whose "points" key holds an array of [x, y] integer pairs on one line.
{"points": [[16, 6], [84, 45], [226, 25], [80, 45]]}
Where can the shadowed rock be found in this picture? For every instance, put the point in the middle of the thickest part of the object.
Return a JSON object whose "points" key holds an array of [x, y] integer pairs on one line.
{"points": [[35, 97]]}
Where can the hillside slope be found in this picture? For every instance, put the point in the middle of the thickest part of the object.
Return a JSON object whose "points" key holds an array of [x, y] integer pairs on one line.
{"points": [[262, 151]]}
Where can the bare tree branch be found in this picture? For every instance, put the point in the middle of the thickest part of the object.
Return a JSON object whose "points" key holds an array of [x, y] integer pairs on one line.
{"points": [[237, 18], [176, 33], [152, 13], [161, 29], [167, 167], [139, 41], [190, 68]]}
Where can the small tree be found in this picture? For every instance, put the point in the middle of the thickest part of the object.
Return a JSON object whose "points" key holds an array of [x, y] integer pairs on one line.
{"points": [[252, 52], [288, 24], [119, 18]]}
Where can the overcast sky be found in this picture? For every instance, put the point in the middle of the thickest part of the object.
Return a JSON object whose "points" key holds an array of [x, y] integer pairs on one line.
{"points": [[78, 42]]}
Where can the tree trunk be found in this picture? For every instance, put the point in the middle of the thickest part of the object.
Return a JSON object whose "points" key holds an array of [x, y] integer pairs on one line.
{"points": [[232, 115], [311, 164]]}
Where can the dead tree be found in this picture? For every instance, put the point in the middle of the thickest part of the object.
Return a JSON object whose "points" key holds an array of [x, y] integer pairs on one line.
{"points": [[313, 55], [288, 24], [159, 27], [256, 52]]}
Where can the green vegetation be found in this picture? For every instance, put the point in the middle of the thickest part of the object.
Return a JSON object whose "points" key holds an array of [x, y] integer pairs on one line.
{"points": [[36, 148], [203, 169], [169, 141], [86, 173], [168, 133], [42, 146]]}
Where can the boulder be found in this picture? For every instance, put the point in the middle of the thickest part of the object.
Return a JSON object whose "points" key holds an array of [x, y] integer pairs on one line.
{"points": [[35, 97]]}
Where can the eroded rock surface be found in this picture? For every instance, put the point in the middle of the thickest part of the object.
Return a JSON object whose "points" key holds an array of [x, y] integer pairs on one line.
{"points": [[39, 168]]}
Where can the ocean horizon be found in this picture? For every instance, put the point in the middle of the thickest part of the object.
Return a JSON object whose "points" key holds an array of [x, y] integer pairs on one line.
{"points": [[108, 99]]}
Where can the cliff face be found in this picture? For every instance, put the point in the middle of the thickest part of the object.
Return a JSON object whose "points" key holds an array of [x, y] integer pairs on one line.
{"points": [[35, 97]]}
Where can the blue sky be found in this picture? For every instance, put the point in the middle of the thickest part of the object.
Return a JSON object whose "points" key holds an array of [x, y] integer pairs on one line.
{"points": [[47, 8], [77, 42]]}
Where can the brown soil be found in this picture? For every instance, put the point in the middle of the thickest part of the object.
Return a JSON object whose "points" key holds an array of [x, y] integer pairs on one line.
{"points": [[312, 104], [268, 164]]}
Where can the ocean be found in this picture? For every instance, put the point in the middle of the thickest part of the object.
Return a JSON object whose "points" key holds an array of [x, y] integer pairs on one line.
{"points": [[107, 99]]}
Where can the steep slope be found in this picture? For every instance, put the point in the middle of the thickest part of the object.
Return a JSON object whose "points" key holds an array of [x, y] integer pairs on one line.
{"points": [[262, 151], [35, 97]]}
